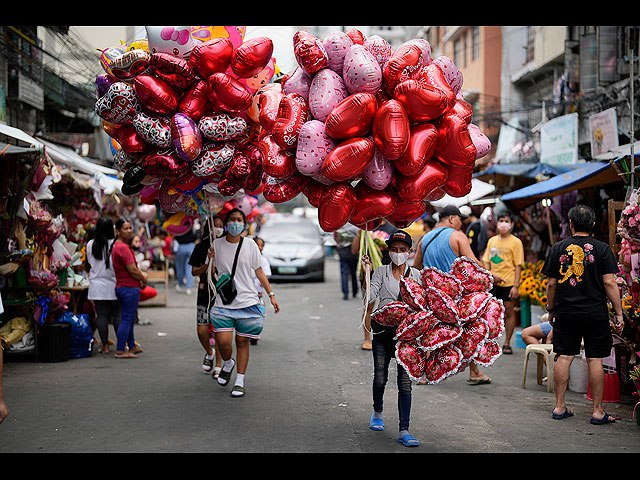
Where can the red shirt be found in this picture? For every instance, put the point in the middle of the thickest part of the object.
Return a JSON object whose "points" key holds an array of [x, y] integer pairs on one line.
{"points": [[122, 255]]}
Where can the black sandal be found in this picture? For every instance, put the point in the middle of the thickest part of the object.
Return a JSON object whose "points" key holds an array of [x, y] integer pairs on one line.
{"points": [[507, 350], [225, 376]]}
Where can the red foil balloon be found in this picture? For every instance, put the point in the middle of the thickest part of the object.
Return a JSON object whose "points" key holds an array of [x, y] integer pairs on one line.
{"points": [[164, 164], [251, 57], [129, 139], [269, 104], [404, 63], [186, 137], [422, 144], [352, 117], [416, 187], [336, 207], [315, 192], [228, 94], [194, 102], [423, 102], [406, 213], [434, 195], [455, 145], [356, 36], [276, 161], [391, 129], [309, 52], [459, 182], [433, 75], [293, 112], [282, 190], [372, 204], [174, 70], [464, 110], [156, 94], [348, 159], [213, 56]]}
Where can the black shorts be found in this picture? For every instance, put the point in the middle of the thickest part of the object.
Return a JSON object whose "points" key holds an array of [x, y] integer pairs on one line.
{"points": [[568, 332], [501, 292]]}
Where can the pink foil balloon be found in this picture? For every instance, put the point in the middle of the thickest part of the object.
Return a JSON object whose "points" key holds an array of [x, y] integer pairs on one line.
{"points": [[379, 48], [378, 174], [313, 147], [327, 90], [425, 48], [361, 71], [297, 82], [480, 140], [186, 137], [336, 44], [452, 74]]}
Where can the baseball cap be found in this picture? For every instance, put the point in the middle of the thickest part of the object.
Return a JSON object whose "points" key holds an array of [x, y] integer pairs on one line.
{"points": [[451, 210], [400, 236]]}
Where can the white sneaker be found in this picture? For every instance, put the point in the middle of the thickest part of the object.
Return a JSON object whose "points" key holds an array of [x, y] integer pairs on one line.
{"points": [[178, 289], [188, 292]]}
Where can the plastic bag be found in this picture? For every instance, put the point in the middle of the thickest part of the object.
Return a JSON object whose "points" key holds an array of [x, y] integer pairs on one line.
{"points": [[81, 334]]}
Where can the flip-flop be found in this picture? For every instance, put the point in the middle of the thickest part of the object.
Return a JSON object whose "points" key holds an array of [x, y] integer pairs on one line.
{"points": [[366, 346], [483, 381], [606, 419], [560, 416], [507, 350], [376, 424], [408, 440]]}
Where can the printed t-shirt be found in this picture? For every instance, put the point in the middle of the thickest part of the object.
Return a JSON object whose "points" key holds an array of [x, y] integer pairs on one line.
{"points": [[578, 263], [504, 255], [249, 261], [122, 255]]}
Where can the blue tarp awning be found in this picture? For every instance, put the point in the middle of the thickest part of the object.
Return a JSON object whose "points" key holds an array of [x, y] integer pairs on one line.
{"points": [[529, 170]]}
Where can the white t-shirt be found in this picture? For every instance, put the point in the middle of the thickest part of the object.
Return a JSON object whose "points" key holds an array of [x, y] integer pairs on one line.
{"points": [[102, 280], [249, 261], [266, 268]]}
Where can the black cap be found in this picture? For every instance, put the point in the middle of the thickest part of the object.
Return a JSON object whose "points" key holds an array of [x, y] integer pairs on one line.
{"points": [[400, 236], [450, 210]]}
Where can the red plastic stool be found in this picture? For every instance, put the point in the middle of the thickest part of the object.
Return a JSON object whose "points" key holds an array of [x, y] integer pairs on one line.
{"points": [[611, 392]]}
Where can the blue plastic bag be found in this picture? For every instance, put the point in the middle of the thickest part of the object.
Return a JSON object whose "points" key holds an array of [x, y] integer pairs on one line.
{"points": [[81, 334]]}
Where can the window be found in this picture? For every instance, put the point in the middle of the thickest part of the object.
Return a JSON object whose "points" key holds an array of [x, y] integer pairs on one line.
{"points": [[475, 36], [531, 35]]}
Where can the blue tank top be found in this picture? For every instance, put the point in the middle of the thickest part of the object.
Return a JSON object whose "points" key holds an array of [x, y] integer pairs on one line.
{"points": [[439, 253]]}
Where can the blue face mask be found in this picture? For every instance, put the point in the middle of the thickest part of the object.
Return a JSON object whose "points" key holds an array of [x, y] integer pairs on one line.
{"points": [[235, 228]]}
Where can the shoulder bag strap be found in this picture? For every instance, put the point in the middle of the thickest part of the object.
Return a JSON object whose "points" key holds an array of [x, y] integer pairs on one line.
{"points": [[235, 260], [442, 229]]}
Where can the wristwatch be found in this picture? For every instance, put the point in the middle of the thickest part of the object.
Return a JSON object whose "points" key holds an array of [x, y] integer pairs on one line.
{"points": [[271, 294], [550, 310]]}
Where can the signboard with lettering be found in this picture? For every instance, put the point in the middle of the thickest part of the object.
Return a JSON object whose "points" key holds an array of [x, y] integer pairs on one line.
{"points": [[559, 140]]}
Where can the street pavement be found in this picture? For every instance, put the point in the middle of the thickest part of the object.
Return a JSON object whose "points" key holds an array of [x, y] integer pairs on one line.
{"points": [[308, 390]]}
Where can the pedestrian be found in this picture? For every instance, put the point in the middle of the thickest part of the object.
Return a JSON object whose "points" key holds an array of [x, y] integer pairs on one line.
{"points": [[148, 292], [102, 280], [185, 245], [438, 249], [476, 231], [266, 268], [348, 260], [199, 262], [504, 258], [581, 273], [538, 333], [385, 288], [244, 314], [129, 281]]}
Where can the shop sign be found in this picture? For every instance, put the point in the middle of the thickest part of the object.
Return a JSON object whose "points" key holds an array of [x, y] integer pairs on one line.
{"points": [[559, 140], [603, 129]]}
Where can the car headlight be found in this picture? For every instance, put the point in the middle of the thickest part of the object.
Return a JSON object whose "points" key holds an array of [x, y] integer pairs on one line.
{"points": [[316, 253]]}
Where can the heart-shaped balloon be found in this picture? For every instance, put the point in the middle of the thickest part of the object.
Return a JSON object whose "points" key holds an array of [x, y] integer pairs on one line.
{"points": [[212, 56], [214, 158], [422, 101], [297, 82], [378, 174], [361, 71], [404, 62], [119, 105], [314, 191], [227, 94], [276, 161], [425, 48], [222, 127], [455, 146], [155, 130], [474, 333], [194, 102], [187, 183], [336, 44], [156, 94], [130, 64], [282, 190], [293, 113], [406, 213], [391, 129], [379, 48], [313, 147], [170, 201], [348, 159], [129, 139], [440, 335], [443, 363], [471, 305], [463, 109], [413, 294], [177, 72], [451, 73], [336, 207], [123, 160], [186, 137], [164, 164], [103, 82], [411, 358], [459, 182], [473, 277], [309, 52], [493, 314], [433, 75], [422, 143], [488, 353], [443, 281], [372, 204], [326, 92], [356, 36], [352, 117], [392, 314], [414, 188], [251, 57], [480, 140], [269, 103]]}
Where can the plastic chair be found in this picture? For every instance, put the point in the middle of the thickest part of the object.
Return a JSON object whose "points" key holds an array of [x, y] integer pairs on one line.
{"points": [[544, 354]]}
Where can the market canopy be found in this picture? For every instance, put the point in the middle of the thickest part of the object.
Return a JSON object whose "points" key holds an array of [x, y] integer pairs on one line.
{"points": [[530, 170], [479, 189], [587, 175]]}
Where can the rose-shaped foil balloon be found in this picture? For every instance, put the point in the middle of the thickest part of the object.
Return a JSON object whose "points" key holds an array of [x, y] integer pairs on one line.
{"points": [[391, 129], [309, 52], [186, 137], [119, 105], [336, 44], [361, 71], [336, 208], [326, 92], [348, 159], [251, 57], [352, 117], [313, 147]]}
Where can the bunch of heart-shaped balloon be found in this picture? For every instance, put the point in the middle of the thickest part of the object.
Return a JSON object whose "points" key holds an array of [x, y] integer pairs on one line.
{"points": [[445, 322], [366, 132], [180, 107]]}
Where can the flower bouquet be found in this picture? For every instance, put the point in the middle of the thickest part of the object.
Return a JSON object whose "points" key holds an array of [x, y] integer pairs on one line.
{"points": [[629, 223], [533, 284]]}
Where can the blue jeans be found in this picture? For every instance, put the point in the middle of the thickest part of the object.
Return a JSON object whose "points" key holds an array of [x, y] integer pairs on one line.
{"points": [[128, 298], [348, 268], [183, 269], [383, 347]]}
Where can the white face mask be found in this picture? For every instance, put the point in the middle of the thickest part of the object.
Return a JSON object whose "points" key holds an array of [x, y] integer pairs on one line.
{"points": [[504, 227], [399, 258], [218, 232]]}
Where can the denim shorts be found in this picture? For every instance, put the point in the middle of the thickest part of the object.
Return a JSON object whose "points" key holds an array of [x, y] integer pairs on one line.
{"points": [[247, 322]]}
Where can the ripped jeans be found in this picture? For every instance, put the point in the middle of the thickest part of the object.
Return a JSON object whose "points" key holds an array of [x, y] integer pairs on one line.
{"points": [[383, 348]]}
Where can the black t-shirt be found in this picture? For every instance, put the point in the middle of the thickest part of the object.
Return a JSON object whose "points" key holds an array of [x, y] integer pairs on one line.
{"points": [[477, 233], [198, 258], [578, 263]]}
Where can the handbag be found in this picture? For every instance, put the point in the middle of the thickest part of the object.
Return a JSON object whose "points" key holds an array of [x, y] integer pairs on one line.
{"points": [[224, 285]]}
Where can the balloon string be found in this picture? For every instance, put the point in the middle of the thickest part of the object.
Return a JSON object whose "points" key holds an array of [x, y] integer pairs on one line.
{"points": [[367, 276], [212, 284]]}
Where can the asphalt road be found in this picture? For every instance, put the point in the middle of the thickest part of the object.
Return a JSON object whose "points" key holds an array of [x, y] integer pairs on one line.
{"points": [[308, 391]]}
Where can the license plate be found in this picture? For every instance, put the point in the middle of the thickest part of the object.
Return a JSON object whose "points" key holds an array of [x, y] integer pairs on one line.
{"points": [[285, 270]]}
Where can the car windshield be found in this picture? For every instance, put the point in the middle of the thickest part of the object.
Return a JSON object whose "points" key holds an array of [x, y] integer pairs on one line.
{"points": [[290, 232]]}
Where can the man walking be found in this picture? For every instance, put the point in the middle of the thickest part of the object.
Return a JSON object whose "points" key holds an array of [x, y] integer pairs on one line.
{"points": [[581, 275]]}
